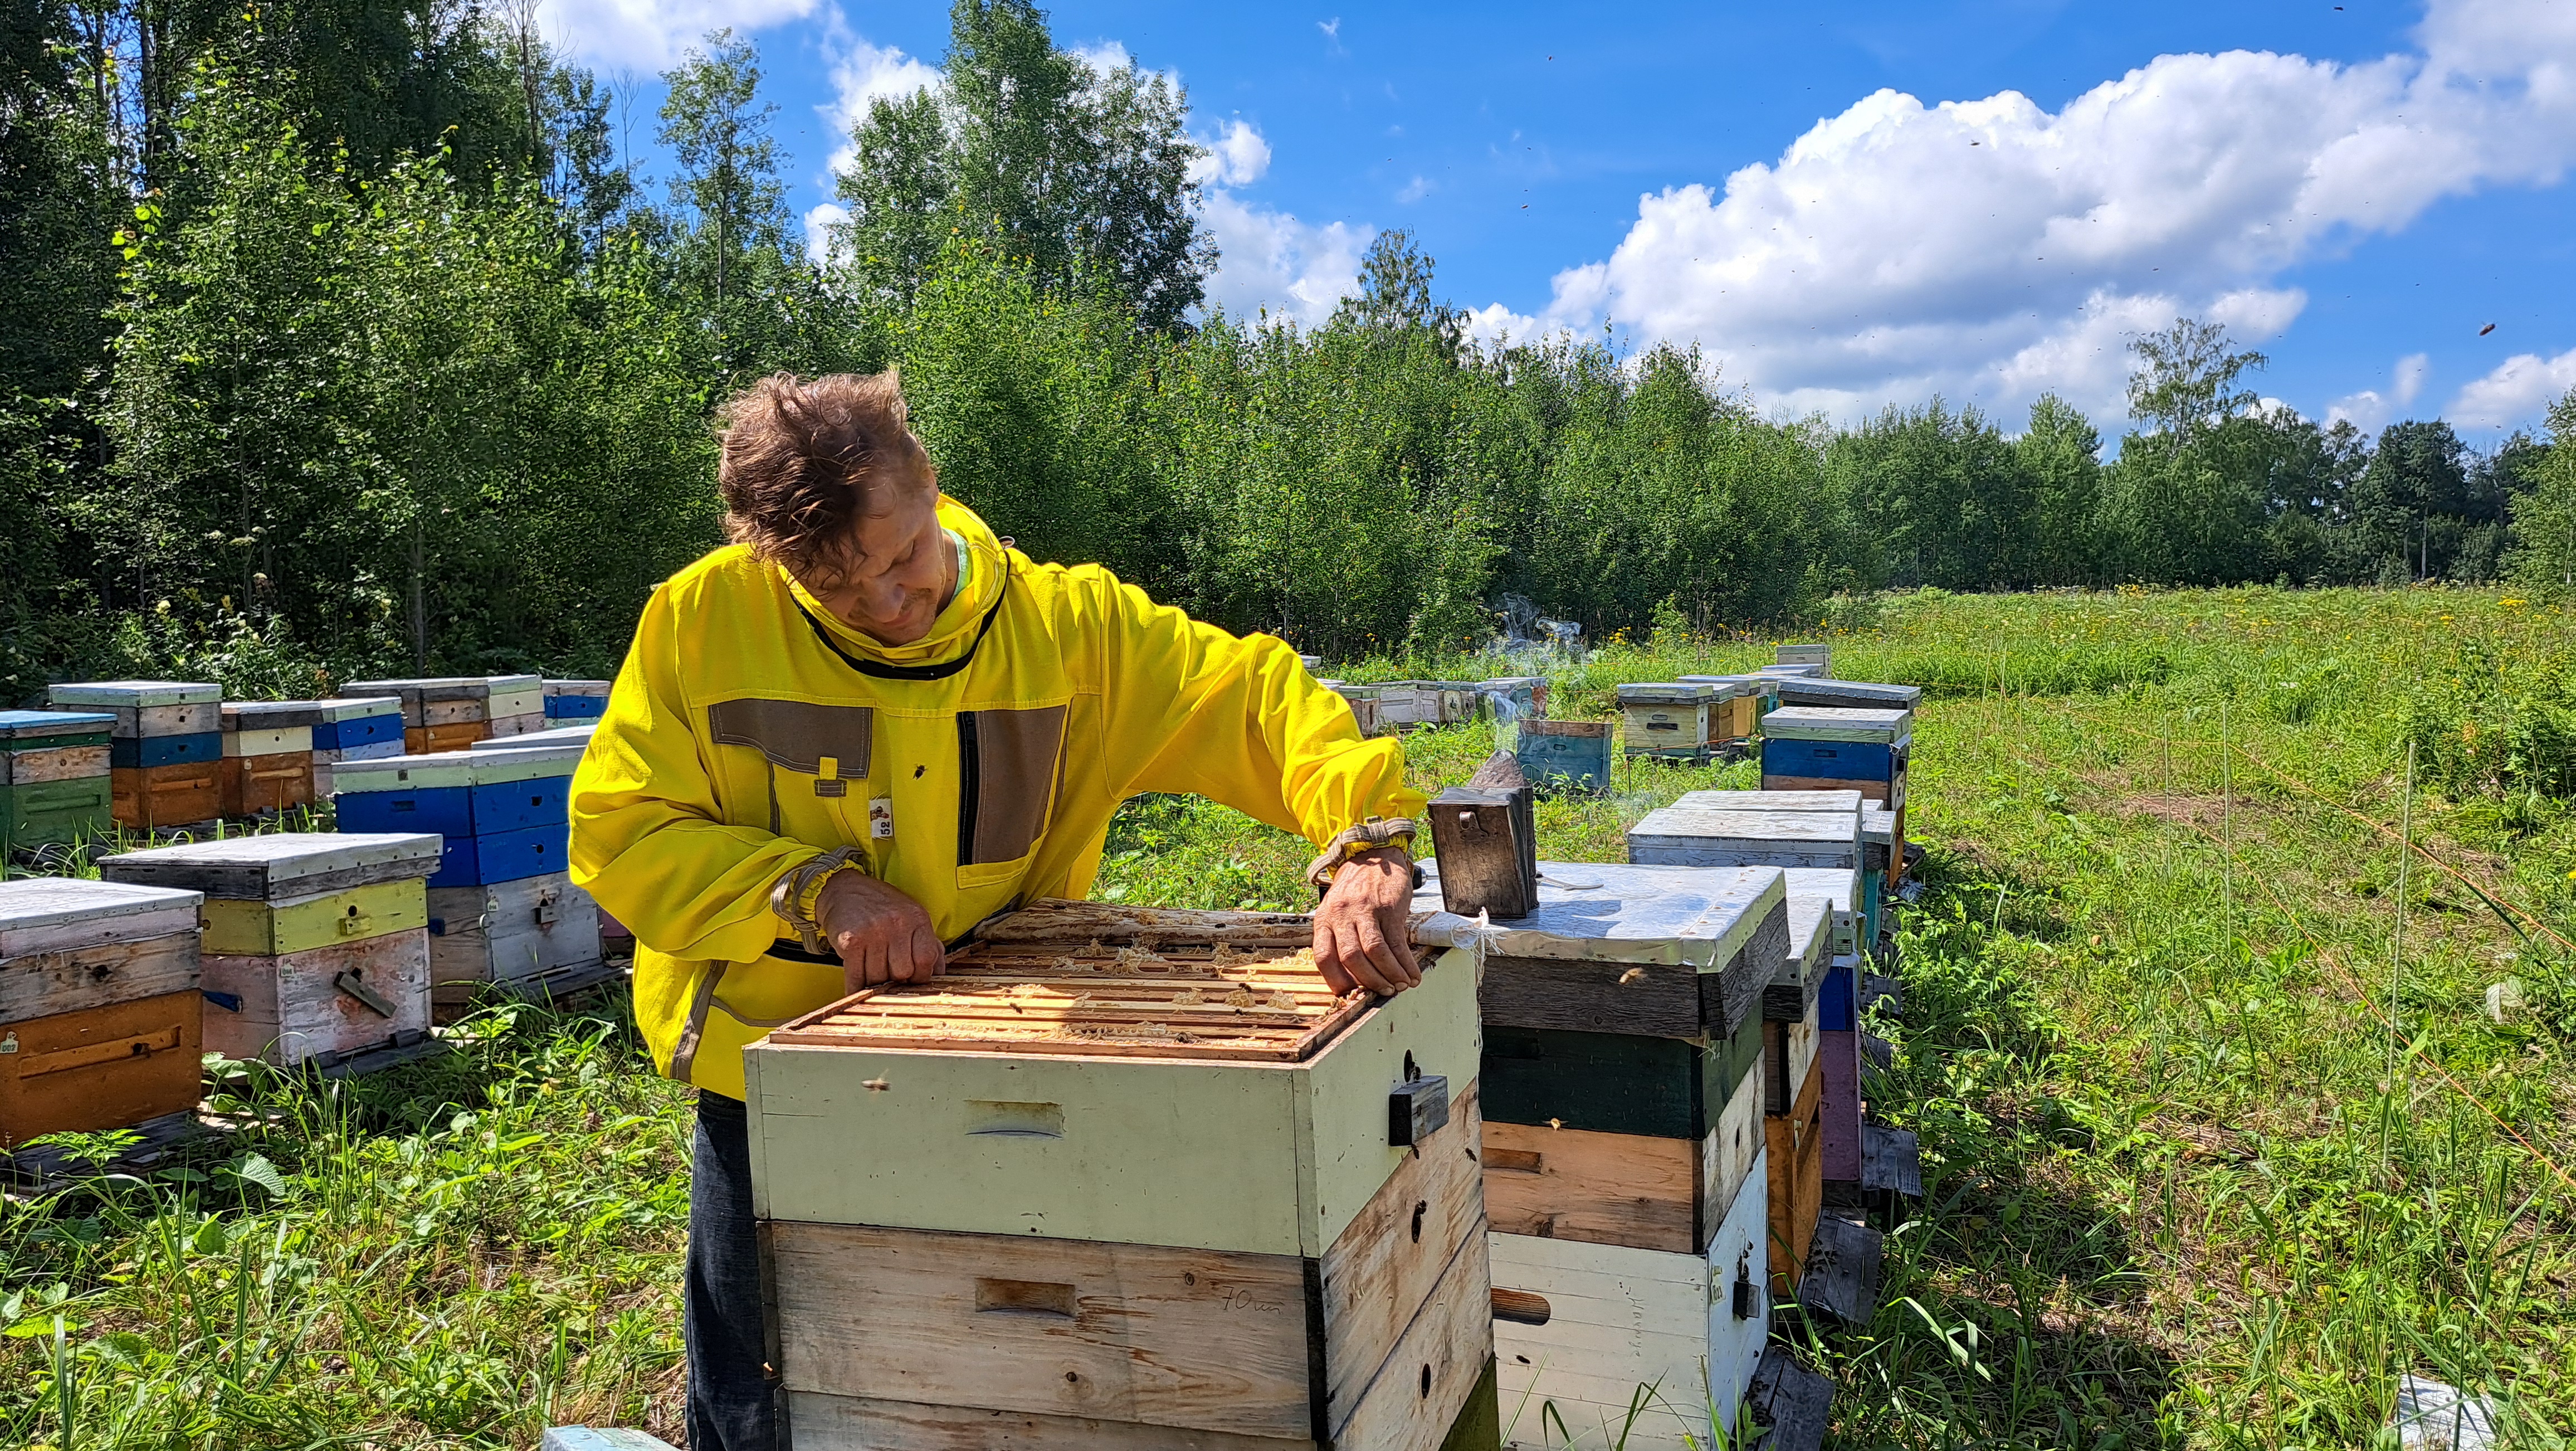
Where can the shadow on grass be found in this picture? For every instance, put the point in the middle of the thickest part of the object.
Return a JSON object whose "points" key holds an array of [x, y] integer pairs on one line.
{"points": [[2013, 1301]]}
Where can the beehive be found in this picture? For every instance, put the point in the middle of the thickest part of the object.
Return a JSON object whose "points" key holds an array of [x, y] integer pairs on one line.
{"points": [[1565, 753], [54, 781], [503, 813], [1623, 1140], [165, 751], [533, 937], [99, 1020], [575, 700], [1122, 1178], [268, 755], [1849, 694], [1736, 717], [352, 728], [1669, 718], [1812, 653], [1684, 836], [1806, 747], [316, 944]]}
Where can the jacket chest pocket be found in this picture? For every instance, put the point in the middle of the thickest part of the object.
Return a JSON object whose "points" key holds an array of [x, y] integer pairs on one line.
{"points": [[827, 746], [1007, 763]]}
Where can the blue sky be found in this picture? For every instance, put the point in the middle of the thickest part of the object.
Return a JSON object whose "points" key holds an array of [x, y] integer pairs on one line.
{"points": [[1850, 205]]}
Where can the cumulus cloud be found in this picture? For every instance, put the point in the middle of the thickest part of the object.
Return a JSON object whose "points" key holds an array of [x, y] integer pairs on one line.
{"points": [[1236, 156], [1990, 249], [2370, 409], [820, 220], [1271, 259], [653, 33], [2518, 391], [862, 73]]}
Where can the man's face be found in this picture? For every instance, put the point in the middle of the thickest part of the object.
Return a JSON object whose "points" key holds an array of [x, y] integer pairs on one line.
{"points": [[902, 571]]}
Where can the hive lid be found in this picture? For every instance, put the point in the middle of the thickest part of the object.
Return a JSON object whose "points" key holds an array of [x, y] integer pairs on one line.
{"points": [[132, 694], [1832, 802], [1838, 885], [1828, 723], [1090, 979], [1849, 693], [1673, 692], [57, 914], [1779, 672], [1606, 912], [1808, 923], [456, 768], [1763, 828], [278, 865], [571, 735], [31, 725], [577, 687], [265, 714], [1878, 827], [482, 687]]}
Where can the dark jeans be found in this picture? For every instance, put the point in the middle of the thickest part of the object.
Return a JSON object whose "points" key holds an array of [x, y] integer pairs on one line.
{"points": [[733, 1404]]}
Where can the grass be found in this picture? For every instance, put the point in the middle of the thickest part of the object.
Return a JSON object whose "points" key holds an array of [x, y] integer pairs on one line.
{"points": [[2210, 1155]]}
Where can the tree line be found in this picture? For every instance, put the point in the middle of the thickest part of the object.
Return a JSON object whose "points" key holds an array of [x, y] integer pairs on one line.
{"points": [[348, 336]]}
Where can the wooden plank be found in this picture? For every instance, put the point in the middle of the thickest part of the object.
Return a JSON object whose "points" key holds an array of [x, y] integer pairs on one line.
{"points": [[530, 930], [1826, 723], [512, 727], [1649, 999], [1626, 1189], [1680, 836], [1828, 801], [1891, 1160], [61, 763], [1343, 1154], [303, 1005], [59, 914], [1172, 1337], [1056, 920], [1388, 1262], [279, 865], [437, 713], [1842, 1270], [1436, 1367], [1838, 1057], [1850, 694], [1797, 1183], [258, 785], [1614, 1083], [274, 929], [266, 740], [856, 1423], [106, 1067], [1793, 1405], [1486, 842], [96, 976]]}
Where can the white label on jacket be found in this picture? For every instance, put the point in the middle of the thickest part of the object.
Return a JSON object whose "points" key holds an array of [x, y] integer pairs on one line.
{"points": [[881, 818]]}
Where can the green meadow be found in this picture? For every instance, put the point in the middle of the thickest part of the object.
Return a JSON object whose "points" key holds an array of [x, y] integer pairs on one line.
{"points": [[2238, 1006]]}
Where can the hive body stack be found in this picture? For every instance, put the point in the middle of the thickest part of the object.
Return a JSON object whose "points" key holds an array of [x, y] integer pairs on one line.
{"points": [[98, 1006], [316, 944], [569, 702], [1808, 747], [1127, 1179], [353, 728], [1670, 719], [1625, 1170], [451, 713], [502, 908], [167, 752], [268, 755], [1564, 754], [54, 782], [1826, 838], [1736, 718]]}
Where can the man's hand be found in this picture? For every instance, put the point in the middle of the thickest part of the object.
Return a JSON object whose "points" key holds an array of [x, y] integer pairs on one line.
{"points": [[1361, 935], [882, 935]]}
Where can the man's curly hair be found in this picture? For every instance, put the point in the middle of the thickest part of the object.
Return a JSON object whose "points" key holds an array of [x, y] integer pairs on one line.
{"points": [[805, 459]]}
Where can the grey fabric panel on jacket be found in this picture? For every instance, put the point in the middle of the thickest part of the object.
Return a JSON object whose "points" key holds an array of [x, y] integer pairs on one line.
{"points": [[1015, 780], [797, 735]]}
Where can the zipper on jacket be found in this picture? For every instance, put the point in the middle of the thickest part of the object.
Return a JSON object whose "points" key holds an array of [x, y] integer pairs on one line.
{"points": [[969, 786]]}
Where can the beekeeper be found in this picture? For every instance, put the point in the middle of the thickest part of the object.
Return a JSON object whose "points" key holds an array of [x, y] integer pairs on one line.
{"points": [[868, 724]]}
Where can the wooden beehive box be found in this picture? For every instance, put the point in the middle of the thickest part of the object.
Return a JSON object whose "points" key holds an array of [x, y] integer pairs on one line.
{"points": [[1808, 653], [1683, 837], [1564, 753], [147, 709], [1667, 718], [503, 813], [99, 1025], [268, 755], [571, 700], [158, 797], [1875, 726], [54, 782], [1840, 801], [1111, 1139], [532, 936], [316, 944], [1849, 694]]}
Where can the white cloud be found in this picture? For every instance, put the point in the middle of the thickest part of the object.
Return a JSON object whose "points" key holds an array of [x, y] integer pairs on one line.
{"points": [[819, 222], [1236, 156], [653, 33], [1270, 259], [862, 73], [2517, 392], [1415, 190], [1990, 249], [2371, 410]]}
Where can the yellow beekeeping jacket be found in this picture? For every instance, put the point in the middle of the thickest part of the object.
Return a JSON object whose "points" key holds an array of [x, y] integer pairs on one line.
{"points": [[749, 730]]}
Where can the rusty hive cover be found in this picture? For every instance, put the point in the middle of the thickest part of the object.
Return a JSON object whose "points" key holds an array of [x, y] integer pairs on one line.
{"points": [[1097, 979]]}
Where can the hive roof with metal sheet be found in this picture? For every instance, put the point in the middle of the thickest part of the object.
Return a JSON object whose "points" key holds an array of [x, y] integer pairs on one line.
{"points": [[1784, 672], [455, 768], [1798, 829], [571, 735], [1607, 912], [1809, 920], [1752, 684], [1827, 723], [1878, 827], [1861, 694], [1674, 692], [62, 914], [278, 865], [132, 694], [264, 714], [1091, 979], [1835, 802], [29, 725], [1838, 885]]}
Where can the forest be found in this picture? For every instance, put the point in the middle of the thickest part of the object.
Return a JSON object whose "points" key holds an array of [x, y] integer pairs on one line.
{"points": [[341, 338]]}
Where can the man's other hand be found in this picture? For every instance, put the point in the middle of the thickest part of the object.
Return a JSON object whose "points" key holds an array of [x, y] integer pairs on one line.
{"points": [[882, 935], [1362, 938]]}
